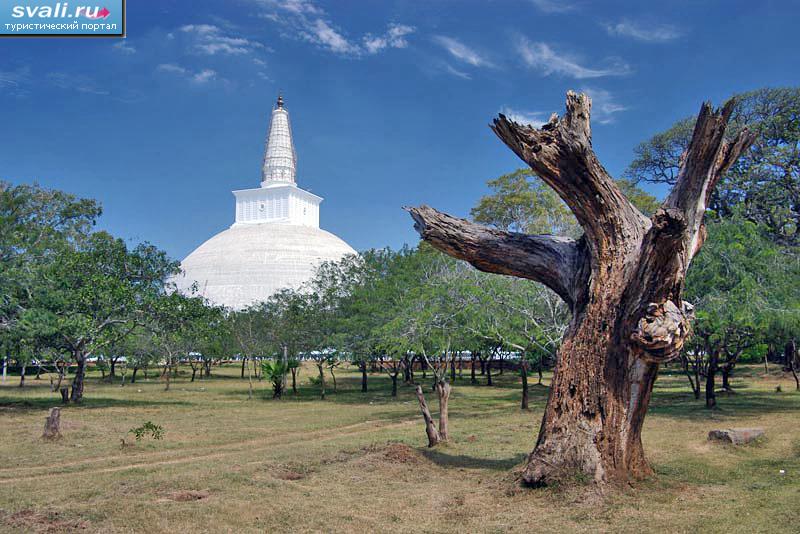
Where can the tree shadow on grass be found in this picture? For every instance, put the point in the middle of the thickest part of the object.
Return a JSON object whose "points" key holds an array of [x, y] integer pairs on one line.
{"points": [[742, 403], [439, 457], [12, 404]]}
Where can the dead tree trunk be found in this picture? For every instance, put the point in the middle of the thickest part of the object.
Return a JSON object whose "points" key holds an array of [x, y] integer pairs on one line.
{"points": [[52, 425], [430, 427], [622, 280]]}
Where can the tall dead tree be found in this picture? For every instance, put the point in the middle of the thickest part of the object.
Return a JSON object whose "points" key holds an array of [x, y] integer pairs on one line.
{"points": [[622, 281]]}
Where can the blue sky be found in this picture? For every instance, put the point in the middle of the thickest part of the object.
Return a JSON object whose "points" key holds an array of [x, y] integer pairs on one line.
{"points": [[389, 101]]}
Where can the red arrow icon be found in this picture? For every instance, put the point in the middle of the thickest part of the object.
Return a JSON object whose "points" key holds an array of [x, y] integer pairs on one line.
{"points": [[103, 13]]}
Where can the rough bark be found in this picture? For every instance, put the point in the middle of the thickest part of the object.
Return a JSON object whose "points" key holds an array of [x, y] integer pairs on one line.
{"points": [[622, 280], [430, 427], [52, 425]]}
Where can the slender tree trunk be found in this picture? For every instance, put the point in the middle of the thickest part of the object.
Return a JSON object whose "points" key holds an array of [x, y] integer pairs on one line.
{"points": [[523, 371], [539, 370], [250, 378], [77, 381], [726, 386], [244, 361], [333, 376], [167, 373], [430, 427], [472, 379], [452, 370], [622, 280], [443, 390], [362, 365], [133, 375], [321, 381], [22, 374], [711, 372], [194, 372], [489, 371], [294, 381], [394, 384]]}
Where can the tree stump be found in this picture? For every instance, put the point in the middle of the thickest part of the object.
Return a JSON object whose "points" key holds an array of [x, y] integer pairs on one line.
{"points": [[52, 425]]}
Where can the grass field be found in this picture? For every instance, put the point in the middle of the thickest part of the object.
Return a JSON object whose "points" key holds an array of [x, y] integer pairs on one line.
{"points": [[357, 462]]}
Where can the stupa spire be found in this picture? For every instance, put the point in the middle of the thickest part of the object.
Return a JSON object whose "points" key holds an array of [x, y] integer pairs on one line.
{"points": [[280, 160]]}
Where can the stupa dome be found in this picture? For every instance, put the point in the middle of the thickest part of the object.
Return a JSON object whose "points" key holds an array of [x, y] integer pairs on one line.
{"points": [[275, 241], [248, 263]]}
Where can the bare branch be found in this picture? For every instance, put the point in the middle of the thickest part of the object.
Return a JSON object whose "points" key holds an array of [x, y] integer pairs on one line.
{"points": [[553, 261], [708, 157], [561, 154]]}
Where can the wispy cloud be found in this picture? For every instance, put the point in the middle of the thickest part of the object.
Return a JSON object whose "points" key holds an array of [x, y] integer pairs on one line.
{"points": [[209, 39], [12, 79], [604, 105], [395, 37], [123, 47], [533, 118], [455, 72], [321, 33], [307, 21], [198, 77], [462, 52], [640, 32], [76, 82], [542, 57], [553, 6]]}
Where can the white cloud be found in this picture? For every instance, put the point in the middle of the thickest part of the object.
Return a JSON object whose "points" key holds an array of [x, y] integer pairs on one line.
{"points": [[553, 6], [455, 72], [604, 105], [533, 118], [651, 34], [204, 76], [124, 47], [305, 20], [209, 39], [462, 52], [200, 77], [322, 33], [171, 67], [540, 56], [393, 38]]}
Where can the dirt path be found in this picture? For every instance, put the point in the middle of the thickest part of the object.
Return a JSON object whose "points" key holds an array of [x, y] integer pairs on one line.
{"points": [[26, 474]]}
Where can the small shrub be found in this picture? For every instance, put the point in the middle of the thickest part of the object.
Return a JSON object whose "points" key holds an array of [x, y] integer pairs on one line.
{"points": [[315, 380], [155, 431]]}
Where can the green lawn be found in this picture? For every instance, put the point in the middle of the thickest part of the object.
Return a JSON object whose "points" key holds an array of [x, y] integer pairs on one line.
{"points": [[357, 462]]}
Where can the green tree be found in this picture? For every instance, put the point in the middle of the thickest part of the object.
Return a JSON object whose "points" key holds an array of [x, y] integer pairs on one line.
{"points": [[741, 284], [94, 293], [764, 184]]}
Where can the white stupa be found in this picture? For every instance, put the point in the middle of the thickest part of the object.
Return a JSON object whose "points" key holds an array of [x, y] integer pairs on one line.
{"points": [[275, 242]]}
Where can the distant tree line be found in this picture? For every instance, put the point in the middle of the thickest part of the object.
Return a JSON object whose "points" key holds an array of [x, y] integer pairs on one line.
{"points": [[70, 294]]}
